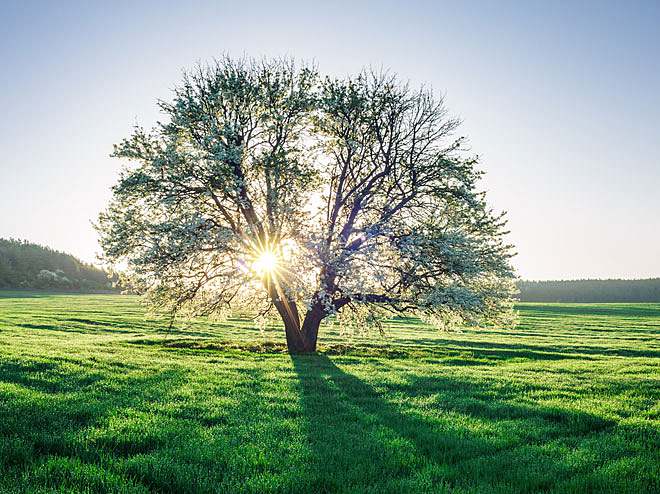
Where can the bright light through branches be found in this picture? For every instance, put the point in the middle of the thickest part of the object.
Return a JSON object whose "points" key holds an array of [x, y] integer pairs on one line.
{"points": [[265, 263]]}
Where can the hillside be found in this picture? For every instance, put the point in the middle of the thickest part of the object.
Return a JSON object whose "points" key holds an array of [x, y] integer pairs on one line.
{"points": [[27, 265]]}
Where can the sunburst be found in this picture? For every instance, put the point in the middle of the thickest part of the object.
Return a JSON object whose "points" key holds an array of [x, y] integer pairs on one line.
{"points": [[266, 263], [268, 258]]}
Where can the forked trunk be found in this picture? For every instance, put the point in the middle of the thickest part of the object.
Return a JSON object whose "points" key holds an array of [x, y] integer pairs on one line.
{"points": [[299, 338]]}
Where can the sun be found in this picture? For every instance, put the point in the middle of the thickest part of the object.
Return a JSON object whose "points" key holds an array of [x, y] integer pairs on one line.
{"points": [[265, 263]]}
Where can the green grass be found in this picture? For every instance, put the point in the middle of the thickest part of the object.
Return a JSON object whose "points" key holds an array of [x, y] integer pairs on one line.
{"points": [[97, 397]]}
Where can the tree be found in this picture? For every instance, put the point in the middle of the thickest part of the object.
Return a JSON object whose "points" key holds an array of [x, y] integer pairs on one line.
{"points": [[271, 188]]}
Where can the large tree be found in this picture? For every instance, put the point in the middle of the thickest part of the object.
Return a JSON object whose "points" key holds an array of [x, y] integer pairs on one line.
{"points": [[270, 188]]}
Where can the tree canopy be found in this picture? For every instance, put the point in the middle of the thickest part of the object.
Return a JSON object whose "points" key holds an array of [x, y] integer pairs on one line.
{"points": [[272, 188]]}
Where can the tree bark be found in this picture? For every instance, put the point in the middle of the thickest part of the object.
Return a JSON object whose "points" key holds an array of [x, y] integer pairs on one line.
{"points": [[288, 311], [300, 338], [295, 340], [295, 343], [310, 326]]}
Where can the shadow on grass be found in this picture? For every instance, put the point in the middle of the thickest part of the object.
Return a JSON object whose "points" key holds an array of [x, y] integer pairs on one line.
{"points": [[47, 413], [455, 434], [89, 326], [63, 326], [503, 351], [463, 352], [24, 294], [60, 432], [315, 428], [619, 309], [44, 377], [32, 293]]}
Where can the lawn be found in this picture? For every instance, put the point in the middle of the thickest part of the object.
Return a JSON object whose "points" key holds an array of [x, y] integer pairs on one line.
{"points": [[95, 396]]}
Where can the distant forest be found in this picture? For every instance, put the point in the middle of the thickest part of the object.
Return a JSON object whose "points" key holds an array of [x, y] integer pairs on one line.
{"points": [[590, 291], [26, 265]]}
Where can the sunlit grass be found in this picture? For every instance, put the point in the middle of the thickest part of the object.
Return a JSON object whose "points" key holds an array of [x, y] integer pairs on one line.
{"points": [[95, 397]]}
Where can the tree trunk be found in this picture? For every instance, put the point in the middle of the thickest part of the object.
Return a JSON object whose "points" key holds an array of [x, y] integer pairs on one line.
{"points": [[288, 311], [295, 341], [299, 338], [310, 326]]}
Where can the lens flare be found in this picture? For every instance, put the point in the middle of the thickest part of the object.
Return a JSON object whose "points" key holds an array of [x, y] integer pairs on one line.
{"points": [[265, 263]]}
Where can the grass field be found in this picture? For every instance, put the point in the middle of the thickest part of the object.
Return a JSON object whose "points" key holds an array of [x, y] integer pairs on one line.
{"points": [[97, 397]]}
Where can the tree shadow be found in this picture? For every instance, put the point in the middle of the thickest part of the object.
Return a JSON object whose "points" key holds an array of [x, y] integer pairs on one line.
{"points": [[442, 433]]}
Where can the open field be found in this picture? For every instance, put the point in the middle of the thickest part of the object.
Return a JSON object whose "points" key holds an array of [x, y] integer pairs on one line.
{"points": [[96, 397]]}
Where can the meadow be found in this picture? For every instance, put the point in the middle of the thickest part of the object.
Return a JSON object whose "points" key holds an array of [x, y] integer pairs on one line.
{"points": [[96, 396]]}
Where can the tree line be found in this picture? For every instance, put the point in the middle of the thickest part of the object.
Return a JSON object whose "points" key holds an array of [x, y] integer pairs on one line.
{"points": [[647, 290], [25, 265]]}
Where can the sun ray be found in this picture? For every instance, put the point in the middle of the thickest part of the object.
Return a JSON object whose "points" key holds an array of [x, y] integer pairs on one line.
{"points": [[266, 263]]}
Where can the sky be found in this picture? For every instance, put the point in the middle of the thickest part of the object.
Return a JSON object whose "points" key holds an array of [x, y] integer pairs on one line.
{"points": [[561, 100]]}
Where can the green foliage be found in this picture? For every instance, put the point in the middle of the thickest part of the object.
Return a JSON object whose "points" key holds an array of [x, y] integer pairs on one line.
{"points": [[27, 265], [590, 291], [95, 397]]}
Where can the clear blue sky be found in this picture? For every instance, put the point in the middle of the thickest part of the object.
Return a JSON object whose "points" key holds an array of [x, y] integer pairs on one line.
{"points": [[561, 100]]}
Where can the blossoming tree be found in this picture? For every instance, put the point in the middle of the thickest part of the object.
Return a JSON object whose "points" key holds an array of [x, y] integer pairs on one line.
{"points": [[270, 188]]}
